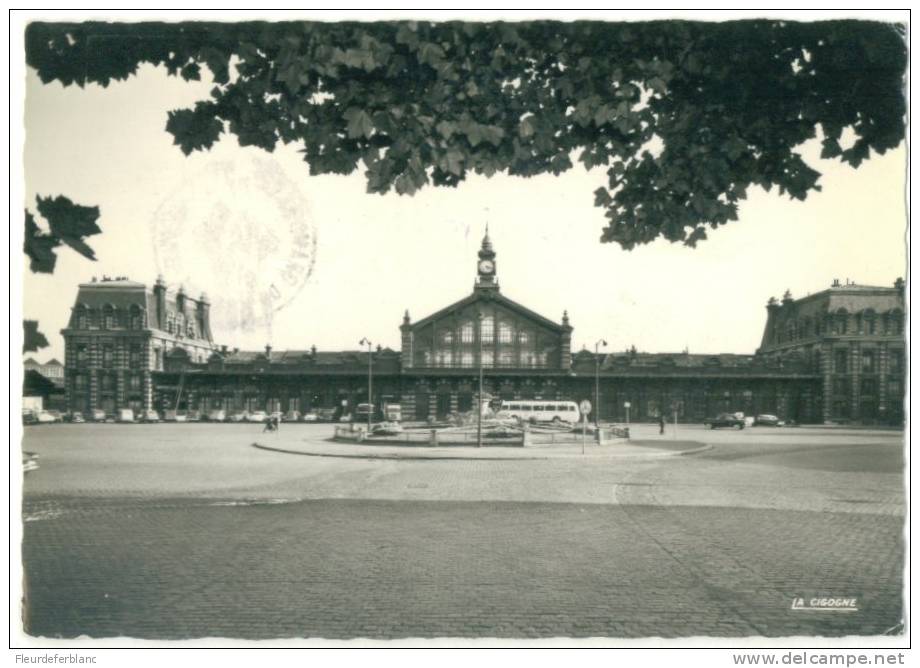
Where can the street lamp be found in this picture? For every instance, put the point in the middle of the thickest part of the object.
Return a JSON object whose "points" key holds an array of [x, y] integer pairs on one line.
{"points": [[370, 376], [479, 398], [597, 380]]}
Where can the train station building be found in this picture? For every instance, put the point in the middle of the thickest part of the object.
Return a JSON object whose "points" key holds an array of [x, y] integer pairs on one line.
{"points": [[128, 346]]}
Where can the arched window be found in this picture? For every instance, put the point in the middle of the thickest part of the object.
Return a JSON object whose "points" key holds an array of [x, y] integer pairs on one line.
{"points": [[108, 317], [447, 337], [841, 321], [466, 332], [505, 332], [81, 320], [897, 321], [488, 329], [868, 321], [136, 317]]}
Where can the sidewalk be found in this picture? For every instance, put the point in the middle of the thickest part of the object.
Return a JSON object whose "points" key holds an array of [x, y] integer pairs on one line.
{"points": [[329, 448]]}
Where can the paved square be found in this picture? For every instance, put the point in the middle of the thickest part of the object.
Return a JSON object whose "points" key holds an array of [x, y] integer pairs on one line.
{"points": [[186, 531]]}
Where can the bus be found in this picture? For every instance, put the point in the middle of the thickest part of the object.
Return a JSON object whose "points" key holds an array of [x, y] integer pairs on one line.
{"points": [[538, 410]]}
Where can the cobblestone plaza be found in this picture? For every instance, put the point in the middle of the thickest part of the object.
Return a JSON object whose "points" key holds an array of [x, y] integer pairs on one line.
{"points": [[187, 531]]}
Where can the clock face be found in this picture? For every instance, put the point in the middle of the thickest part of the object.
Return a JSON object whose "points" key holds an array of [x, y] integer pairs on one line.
{"points": [[486, 266]]}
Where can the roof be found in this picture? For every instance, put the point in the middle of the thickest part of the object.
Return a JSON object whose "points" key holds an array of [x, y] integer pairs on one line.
{"points": [[490, 296]]}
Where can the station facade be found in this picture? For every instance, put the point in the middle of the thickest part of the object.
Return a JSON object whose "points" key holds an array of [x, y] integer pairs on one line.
{"points": [[435, 373]]}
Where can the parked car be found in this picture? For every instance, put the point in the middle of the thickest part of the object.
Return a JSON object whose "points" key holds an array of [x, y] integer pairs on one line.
{"points": [[291, 416], [125, 415], [28, 417], [175, 416], [725, 420], [98, 415], [149, 415], [325, 414], [767, 421], [277, 416], [310, 416], [45, 417], [257, 416], [76, 418], [193, 416], [239, 416], [217, 415]]}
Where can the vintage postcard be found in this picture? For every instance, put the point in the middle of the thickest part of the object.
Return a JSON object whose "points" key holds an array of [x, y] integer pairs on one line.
{"points": [[505, 330]]}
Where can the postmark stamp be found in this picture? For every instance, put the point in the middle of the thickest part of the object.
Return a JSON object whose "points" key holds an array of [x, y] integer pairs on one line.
{"points": [[242, 232]]}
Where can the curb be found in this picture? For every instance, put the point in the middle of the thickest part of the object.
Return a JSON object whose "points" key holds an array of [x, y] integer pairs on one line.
{"points": [[534, 457]]}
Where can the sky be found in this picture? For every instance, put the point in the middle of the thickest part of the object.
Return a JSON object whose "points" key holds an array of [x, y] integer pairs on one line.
{"points": [[293, 260]]}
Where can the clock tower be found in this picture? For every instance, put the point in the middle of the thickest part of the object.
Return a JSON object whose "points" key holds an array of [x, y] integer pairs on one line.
{"points": [[485, 266]]}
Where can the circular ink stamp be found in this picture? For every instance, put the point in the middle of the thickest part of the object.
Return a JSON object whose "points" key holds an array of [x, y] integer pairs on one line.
{"points": [[240, 231]]}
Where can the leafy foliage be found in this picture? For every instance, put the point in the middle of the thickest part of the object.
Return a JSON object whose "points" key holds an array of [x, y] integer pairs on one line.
{"points": [[32, 338], [68, 223], [685, 116]]}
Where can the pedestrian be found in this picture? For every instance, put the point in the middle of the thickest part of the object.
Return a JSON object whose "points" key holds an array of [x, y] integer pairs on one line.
{"points": [[661, 423]]}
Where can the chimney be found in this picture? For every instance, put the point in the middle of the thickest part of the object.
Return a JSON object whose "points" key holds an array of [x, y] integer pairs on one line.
{"points": [[787, 297], [204, 316], [268, 351], [159, 294], [180, 300], [313, 351], [223, 350]]}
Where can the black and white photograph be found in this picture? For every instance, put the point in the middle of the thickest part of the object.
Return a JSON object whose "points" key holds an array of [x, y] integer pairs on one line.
{"points": [[460, 329]]}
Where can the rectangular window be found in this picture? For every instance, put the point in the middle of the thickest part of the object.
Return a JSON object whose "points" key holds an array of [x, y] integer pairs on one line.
{"points": [[506, 358], [504, 332], [108, 356], [466, 359], [134, 382], [82, 355], [466, 333], [840, 361], [868, 386], [488, 359], [868, 361], [79, 382], [841, 387], [896, 362]]}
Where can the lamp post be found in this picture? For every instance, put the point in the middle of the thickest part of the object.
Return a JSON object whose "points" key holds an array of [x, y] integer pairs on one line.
{"points": [[370, 376], [597, 380], [479, 398]]}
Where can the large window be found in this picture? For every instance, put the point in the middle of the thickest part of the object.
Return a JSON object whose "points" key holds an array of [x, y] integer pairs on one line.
{"points": [[82, 319], [504, 332], [896, 362], [466, 359], [82, 355], [488, 329], [840, 361], [487, 358], [868, 361], [841, 386], [466, 332], [135, 355], [868, 387], [108, 356], [108, 318], [869, 322]]}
